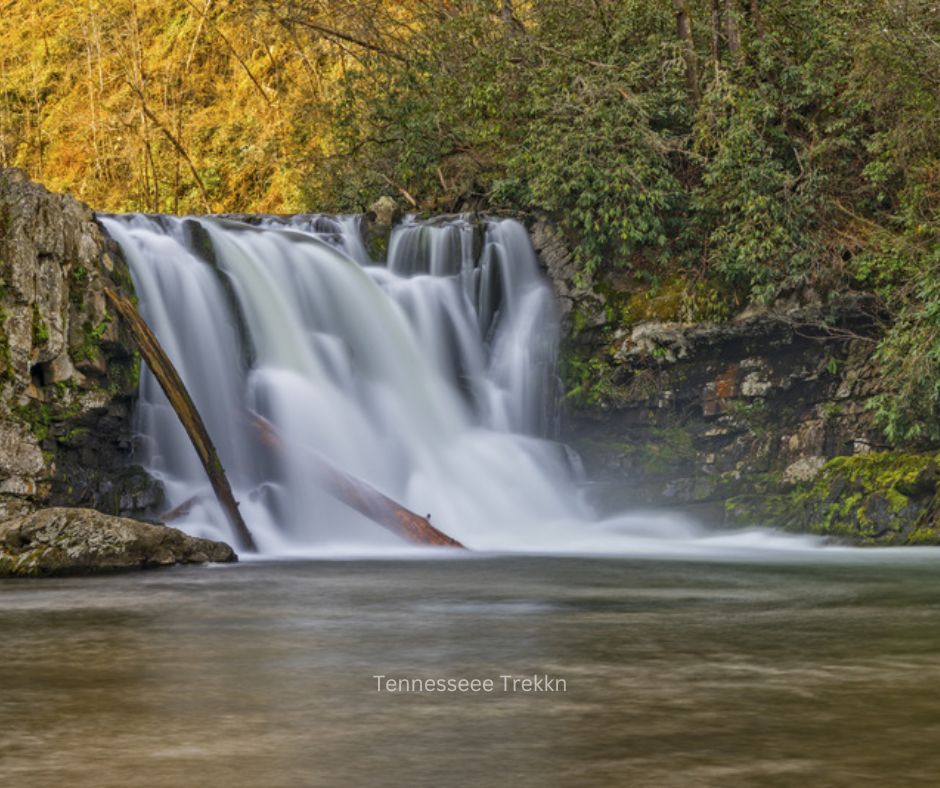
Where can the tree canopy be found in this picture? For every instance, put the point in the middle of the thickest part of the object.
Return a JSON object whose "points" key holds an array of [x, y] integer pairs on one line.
{"points": [[746, 148]]}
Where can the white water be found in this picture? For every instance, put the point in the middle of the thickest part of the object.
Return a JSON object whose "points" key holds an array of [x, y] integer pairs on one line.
{"points": [[433, 379]]}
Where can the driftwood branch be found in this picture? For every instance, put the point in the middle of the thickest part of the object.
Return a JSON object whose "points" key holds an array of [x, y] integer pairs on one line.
{"points": [[172, 385], [359, 495]]}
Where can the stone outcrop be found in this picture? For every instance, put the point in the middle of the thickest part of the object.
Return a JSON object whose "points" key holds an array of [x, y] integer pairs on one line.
{"points": [[580, 305], [887, 498], [61, 541], [694, 415], [68, 372], [762, 419], [377, 226]]}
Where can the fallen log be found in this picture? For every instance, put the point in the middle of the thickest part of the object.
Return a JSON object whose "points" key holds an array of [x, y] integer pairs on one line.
{"points": [[179, 511], [361, 496], [172, 385]]}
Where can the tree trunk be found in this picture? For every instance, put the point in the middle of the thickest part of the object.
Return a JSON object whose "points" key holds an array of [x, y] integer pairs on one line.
{"points": [[172, 385], [756, 19], [359, 495], [684, 31], [732, 32], [716, 34]]}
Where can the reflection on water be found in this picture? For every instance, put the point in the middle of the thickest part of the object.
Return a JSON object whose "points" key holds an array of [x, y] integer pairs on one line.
{"points": [[678, 674]]}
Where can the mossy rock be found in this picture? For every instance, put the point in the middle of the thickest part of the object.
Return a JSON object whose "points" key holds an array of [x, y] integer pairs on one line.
{"points": [[886, 498], [62, 541]]}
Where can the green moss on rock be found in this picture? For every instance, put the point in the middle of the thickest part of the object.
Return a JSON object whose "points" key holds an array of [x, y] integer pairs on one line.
{"points": [[886, 498], [40, 328]]}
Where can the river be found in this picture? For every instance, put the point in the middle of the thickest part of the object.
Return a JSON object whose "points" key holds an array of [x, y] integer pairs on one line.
{"points": [[808, 668]]}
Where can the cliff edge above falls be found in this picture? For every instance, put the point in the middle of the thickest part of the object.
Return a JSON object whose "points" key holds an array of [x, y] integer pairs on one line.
{"points": [[68, 372]]}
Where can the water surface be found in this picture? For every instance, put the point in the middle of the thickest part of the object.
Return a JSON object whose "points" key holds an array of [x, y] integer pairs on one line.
{"points": [[822, 672]]}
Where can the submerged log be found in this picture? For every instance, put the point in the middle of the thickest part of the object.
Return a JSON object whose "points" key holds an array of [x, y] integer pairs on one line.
{"points": [[172, 385], [361, 496], [179, 511]]}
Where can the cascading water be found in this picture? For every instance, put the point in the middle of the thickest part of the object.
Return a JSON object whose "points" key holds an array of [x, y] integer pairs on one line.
{"points": [[431, 378]]}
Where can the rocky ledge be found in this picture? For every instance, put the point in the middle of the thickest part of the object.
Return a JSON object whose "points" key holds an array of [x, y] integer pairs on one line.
{"points": [[60, 541], [763, 416], [763, 420]]}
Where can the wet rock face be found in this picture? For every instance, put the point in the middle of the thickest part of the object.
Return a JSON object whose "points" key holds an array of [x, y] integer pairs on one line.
{"points": [[62, 541], [68, 371], [759, 420], [697, 415]]}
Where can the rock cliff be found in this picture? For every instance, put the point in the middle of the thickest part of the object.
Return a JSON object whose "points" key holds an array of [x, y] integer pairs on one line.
{"points": [[760, 419], [68, 373]]}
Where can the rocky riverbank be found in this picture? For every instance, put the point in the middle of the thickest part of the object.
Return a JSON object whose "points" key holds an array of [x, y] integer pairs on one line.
{"points": [[60, 541], [68, 377], [762, 418]]}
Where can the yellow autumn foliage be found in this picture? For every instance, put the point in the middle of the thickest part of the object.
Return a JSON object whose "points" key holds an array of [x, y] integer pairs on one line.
{"points": [[163, 105]]}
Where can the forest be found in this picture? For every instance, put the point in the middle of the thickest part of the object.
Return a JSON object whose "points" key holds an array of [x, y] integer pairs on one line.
{"points": [[729, 152]]}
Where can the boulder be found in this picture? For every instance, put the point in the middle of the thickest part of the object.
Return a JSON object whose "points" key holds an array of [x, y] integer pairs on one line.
{"points": [[60, 541], [385, 211], [377, 227]]}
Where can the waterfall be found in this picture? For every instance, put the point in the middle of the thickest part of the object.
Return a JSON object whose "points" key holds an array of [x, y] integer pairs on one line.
{"points": [[431, 377]]}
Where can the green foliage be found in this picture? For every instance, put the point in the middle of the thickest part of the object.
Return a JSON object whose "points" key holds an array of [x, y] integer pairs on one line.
{"points": [[40, 328], [91, 342], [803, 154], [78, 280], [587, 380], [598, 131], [38, 416], [910, 356]]}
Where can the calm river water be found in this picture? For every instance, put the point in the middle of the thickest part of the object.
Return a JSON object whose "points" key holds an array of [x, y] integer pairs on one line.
{"points": [[818, 672]]}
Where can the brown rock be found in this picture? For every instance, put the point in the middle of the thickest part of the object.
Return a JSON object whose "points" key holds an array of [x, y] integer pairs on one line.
{"points": [[385, 210]]}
